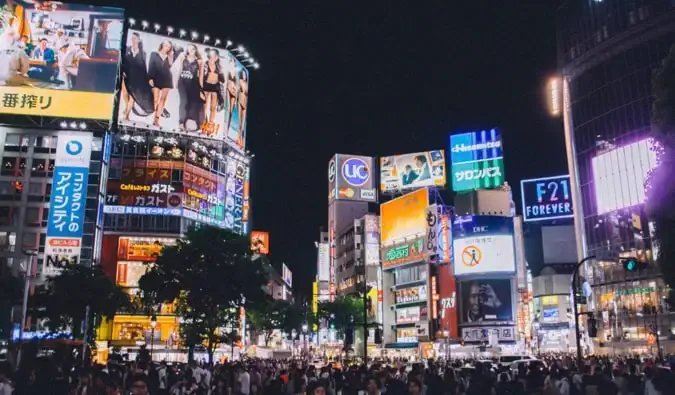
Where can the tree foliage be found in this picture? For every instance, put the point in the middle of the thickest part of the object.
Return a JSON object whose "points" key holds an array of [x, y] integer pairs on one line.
{"points": [[661, 184], [209, 274], [266, 316], [63, 300], [344, 311], [10, 295]]}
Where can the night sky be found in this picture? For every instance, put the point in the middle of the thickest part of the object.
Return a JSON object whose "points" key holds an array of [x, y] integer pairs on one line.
{"points": [[375, 78]]}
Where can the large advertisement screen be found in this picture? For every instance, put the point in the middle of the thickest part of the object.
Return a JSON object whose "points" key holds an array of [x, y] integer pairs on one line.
{"points": [[372, 242], [410, 171], [486, 301], [323, 262], [546, 198], [483, 244], [619, 175], [68, 201], [183, 87], [404, 217], [354, 177], [141, 249], [476, 160], [447, 295], [59, 60], [260, 242]]}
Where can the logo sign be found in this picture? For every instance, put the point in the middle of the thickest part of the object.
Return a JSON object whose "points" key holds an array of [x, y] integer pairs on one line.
{"points": [[403, 254], [546, 198], [350, 178], [484, 334], [68, 201], [476, 160], [355, 171], [260, 242]]}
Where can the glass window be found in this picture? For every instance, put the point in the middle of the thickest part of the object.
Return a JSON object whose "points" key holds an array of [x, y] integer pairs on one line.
{"points": [[35, 188], [30, 239], [32, 216]]}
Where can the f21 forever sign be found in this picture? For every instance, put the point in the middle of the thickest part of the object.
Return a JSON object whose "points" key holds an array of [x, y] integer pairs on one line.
{"points": [[547, 198]]}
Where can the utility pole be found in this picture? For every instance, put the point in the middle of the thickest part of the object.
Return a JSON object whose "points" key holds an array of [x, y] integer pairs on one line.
{"points": [[575, 279], [365, 325]]}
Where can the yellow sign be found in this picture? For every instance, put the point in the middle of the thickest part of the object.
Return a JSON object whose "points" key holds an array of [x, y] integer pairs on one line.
{"points": [[404, 217], [550, 300], [55, 103]]}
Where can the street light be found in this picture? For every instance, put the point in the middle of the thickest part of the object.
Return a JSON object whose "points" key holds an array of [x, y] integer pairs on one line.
{"points": [[576, 309], [153, 324]]}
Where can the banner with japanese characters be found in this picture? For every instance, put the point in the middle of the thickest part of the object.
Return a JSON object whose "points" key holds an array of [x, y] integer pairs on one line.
{"points": [[68, 200], [59, 60]]}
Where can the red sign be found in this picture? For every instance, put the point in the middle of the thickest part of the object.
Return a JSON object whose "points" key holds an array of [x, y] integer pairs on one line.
{"points": [[447, 300]]}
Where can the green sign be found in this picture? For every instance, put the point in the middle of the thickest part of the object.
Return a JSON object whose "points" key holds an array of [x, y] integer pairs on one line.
{"points": [[404, 253], [485, 174]]}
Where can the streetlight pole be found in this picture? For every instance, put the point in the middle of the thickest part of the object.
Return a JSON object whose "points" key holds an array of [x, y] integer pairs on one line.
{"points": [[153, 324], [29, 254], [575, 279]]}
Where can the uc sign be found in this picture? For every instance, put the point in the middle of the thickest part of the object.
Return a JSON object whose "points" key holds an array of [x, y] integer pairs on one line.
{"points": [[547, 198], [355, 171]]}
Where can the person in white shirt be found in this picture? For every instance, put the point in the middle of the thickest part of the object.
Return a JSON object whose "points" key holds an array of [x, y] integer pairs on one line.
{"points": [[244, 380], [5, 384]]}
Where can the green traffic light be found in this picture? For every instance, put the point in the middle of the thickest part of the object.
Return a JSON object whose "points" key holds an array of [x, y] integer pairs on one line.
{"points": [[631, 265]]}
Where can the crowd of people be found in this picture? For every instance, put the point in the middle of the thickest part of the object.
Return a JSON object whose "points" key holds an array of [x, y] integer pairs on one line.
{"points": [[556, 376]]}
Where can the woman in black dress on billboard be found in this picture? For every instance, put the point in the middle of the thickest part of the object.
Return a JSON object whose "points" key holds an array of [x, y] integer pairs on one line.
{"points": [[213, 78], [135, 90], [243, 103], [231, 90], [160, 77], [190, 88]]}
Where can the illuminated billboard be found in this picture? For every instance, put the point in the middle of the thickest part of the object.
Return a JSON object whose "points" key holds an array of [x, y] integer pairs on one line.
{"points": [[410, 171], [140, 249], [546, 198], [59, 60], [237, 194], [447, 302], [476, 160], [482, 245], [286, 275], [68, 200], [372, 240], [260, 242], [485, 301], [411, 294], [619, 175], [323, 262], [352, 177], [183, 87], [403, 253], [404, 217]]}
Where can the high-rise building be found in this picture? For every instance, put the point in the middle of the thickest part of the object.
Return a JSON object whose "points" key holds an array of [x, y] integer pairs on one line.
{"points": [[608, 51]]}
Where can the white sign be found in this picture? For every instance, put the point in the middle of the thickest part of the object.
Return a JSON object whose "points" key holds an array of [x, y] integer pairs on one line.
{"points": [[484, 254], [323, 262], [73, 149], [483, 334], [433, 221]]}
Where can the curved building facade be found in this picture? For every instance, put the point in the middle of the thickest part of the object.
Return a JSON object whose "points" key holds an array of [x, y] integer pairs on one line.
{"points": [[608, 51]]}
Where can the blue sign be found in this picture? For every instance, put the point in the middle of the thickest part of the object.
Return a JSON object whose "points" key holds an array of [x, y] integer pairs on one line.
{"points": [[68, 201], [355, 171], [470, 225], [475, 146], [546, 198], [168, 211]]}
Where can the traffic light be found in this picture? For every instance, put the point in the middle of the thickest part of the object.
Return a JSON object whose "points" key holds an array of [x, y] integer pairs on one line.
{"points": [[349, 336], [632, 264], [592, 326], [18, 186], [378, 336]]}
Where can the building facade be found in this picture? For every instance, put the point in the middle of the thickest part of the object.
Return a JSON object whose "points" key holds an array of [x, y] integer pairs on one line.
{"points": [[608, 51]]}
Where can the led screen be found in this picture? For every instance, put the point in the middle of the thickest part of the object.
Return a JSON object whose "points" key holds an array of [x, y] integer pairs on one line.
{"points": [[404, 217], [619, 175], [486, 301], [483, 244], [59, 60], [476, 160], [183, 87], [546, 198], [260, 242], [411, 171]]}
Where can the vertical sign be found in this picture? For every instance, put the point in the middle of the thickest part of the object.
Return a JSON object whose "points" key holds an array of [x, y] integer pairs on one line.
{"points": [[434, 298], [68, 200], [331, 239], [372, 242], [433, 221], [315, 305]]}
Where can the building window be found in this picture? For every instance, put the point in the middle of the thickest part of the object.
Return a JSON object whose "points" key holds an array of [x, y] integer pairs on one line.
{"points": [[30, 240], [32, 216], [7, 241], [643, 12], [631, 17]]}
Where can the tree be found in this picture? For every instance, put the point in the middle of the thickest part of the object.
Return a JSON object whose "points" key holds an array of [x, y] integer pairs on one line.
{"points": [[64, 299], [209, 274], [660, 188], [344, 311], [270, 315], [11, 288]]}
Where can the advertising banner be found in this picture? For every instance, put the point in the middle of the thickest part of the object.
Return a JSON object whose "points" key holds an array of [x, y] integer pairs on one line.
{"points": [[412, 314], [354, 177], [546, 198], [183, 87], [402, 254], [412, 294], [286, 275], [404, 217], [486, 301], [410, 171], [139, 249], [323, 270], [484, 334], [332, 178], [476, 160], [447, 292], [67, 204], [372, 240], [59, 60], [128, 273], [483, 244], [260, 242], [236, 190]]}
